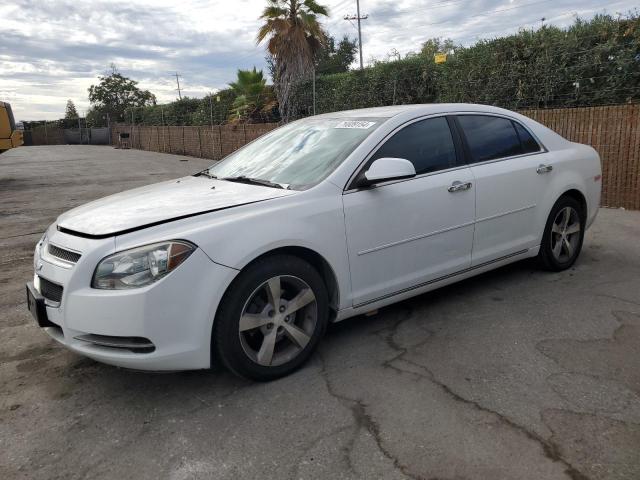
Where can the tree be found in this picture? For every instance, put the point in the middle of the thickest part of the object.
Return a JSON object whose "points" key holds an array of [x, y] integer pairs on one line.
{"points": [[437, 45], [115, 94], [253, 98], [294, 36], [70, 112], [271, 66], [331, 59]]}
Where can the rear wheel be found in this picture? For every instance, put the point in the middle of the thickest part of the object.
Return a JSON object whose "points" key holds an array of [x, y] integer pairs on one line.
{"points": [[272, 318], [563, 235]]}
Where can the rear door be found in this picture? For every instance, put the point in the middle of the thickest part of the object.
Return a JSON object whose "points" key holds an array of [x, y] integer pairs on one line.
{"points": [[509, 167], [402, 234]]}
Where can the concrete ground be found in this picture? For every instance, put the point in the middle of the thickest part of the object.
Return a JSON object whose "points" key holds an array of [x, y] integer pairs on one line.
{"points": [[516, 374]]}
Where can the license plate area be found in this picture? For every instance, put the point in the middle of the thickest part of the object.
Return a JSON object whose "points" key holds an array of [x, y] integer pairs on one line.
{"points": [[37, 307]]}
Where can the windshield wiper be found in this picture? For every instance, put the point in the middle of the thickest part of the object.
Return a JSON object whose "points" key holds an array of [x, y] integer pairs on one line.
{"points": [[206, 173], [253, 181]]}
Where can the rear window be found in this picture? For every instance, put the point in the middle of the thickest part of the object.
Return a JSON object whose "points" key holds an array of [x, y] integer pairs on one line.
{"points": [[490, 137], [529, 144]]}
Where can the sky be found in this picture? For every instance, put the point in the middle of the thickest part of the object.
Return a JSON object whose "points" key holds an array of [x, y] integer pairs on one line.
{"points": [[53, 50]]}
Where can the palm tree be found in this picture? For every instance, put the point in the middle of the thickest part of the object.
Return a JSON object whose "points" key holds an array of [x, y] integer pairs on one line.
{"points": [[253, 97], [294, 35]]}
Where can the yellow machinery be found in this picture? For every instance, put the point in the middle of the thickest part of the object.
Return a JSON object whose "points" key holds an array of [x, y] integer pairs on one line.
{"points": [[9, 136]]}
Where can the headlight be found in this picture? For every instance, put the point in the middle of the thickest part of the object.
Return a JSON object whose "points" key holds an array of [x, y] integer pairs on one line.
{"points": [[38, 251], [140, 266]]}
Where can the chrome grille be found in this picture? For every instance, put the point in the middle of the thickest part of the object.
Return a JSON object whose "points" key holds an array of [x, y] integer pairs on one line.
{"points": [[63, 254], [50, 291]]}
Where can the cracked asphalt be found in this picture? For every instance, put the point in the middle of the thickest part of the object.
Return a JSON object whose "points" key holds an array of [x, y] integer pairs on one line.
{"points": [[514, 374]]}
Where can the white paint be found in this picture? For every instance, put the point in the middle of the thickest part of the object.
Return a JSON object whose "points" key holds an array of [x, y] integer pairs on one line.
{"points": [[382, 244]]}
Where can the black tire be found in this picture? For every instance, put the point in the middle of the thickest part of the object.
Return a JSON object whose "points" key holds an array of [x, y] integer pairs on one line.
{"points": [[546, 257], [226, 339]]}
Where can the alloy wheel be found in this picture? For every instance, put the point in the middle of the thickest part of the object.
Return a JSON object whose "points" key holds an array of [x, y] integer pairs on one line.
{"points": [[278, 320], [565, 234]]}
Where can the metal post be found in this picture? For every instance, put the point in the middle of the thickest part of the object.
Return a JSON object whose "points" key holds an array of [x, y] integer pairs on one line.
{"points": [[359, 31], [314, 90], [394, 91], [46, 137], [109, 129], [164, 145], [359, 18], [80, 129], [213, 152], [132, 123]]}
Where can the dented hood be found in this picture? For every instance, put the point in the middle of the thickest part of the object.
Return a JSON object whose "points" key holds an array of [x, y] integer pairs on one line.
{"points": [[159, 203]]}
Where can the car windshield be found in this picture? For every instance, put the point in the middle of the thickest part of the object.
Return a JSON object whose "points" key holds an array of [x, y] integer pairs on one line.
{"points": [[297, 155]]}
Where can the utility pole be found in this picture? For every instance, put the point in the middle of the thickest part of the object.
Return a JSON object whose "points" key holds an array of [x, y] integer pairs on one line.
{"points": [[178, 82], [358, 17]]}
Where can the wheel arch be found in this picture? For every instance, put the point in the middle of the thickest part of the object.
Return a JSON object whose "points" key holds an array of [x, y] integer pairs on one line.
{"points": [[317, 261], [580, 198]]}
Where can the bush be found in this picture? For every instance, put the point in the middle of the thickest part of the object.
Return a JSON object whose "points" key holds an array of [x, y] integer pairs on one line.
{"points": [[590, 63]]}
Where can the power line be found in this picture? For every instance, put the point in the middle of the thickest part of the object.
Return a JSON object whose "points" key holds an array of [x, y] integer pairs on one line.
{"points": [[547, 19], [485, 13]]}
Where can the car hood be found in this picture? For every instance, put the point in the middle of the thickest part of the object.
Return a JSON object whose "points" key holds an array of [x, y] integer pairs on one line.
{"points": [[159, 203]]}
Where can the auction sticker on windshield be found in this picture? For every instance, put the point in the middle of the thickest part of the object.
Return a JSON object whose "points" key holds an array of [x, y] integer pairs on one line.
{"points": [[355, 124]]}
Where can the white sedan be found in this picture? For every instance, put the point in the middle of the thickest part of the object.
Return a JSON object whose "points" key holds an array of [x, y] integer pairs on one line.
{"points": [[320, 220]]}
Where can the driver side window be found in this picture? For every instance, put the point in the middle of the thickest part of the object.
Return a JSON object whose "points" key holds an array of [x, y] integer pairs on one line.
{"points": [[427, 144]]}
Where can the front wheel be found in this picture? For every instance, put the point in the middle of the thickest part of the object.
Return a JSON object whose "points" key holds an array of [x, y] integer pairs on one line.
{"points": [[563, 235], [271, 318]]}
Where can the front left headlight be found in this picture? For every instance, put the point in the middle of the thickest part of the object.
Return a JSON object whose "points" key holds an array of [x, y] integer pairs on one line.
{"points": [[141, 266], [38, 251]]}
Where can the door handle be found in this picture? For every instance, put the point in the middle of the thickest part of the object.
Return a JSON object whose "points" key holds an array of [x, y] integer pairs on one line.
{"points": [[458, 186], [542, 168]]}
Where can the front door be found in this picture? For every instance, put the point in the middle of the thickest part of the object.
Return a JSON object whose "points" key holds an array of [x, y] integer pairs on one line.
{"points": [[403, 234]]}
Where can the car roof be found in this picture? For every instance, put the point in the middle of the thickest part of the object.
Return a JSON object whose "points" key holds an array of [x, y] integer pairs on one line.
{"points": [[417, 109]]}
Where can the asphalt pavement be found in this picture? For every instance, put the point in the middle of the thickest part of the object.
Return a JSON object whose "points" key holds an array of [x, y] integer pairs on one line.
{"points": [[514, 374]]}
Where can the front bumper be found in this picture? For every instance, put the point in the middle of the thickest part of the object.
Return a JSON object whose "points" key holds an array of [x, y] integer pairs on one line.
{"points": [[175, 313]]}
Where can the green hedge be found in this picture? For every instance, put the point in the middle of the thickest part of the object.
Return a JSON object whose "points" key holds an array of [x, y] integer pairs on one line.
{"points": [[590, 63], [406, 81]]}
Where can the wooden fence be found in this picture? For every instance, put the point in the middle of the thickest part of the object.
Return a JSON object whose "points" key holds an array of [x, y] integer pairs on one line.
{"points": [[214, 142], [614, 131]]}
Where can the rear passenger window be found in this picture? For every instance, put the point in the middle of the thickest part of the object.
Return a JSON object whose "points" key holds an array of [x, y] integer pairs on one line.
{"points": [[427, 144], [529, 144], [490, 137]]}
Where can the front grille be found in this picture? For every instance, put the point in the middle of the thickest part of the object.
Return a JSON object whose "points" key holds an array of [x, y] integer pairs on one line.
{"points": [[66, 255], [50, 291]]}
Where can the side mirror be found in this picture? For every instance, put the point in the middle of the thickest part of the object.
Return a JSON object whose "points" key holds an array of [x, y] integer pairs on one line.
{"points": [[385, 169]]}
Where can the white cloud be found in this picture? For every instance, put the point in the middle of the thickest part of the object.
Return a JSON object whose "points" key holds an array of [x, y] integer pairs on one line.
{"points": [[51, 51]]}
